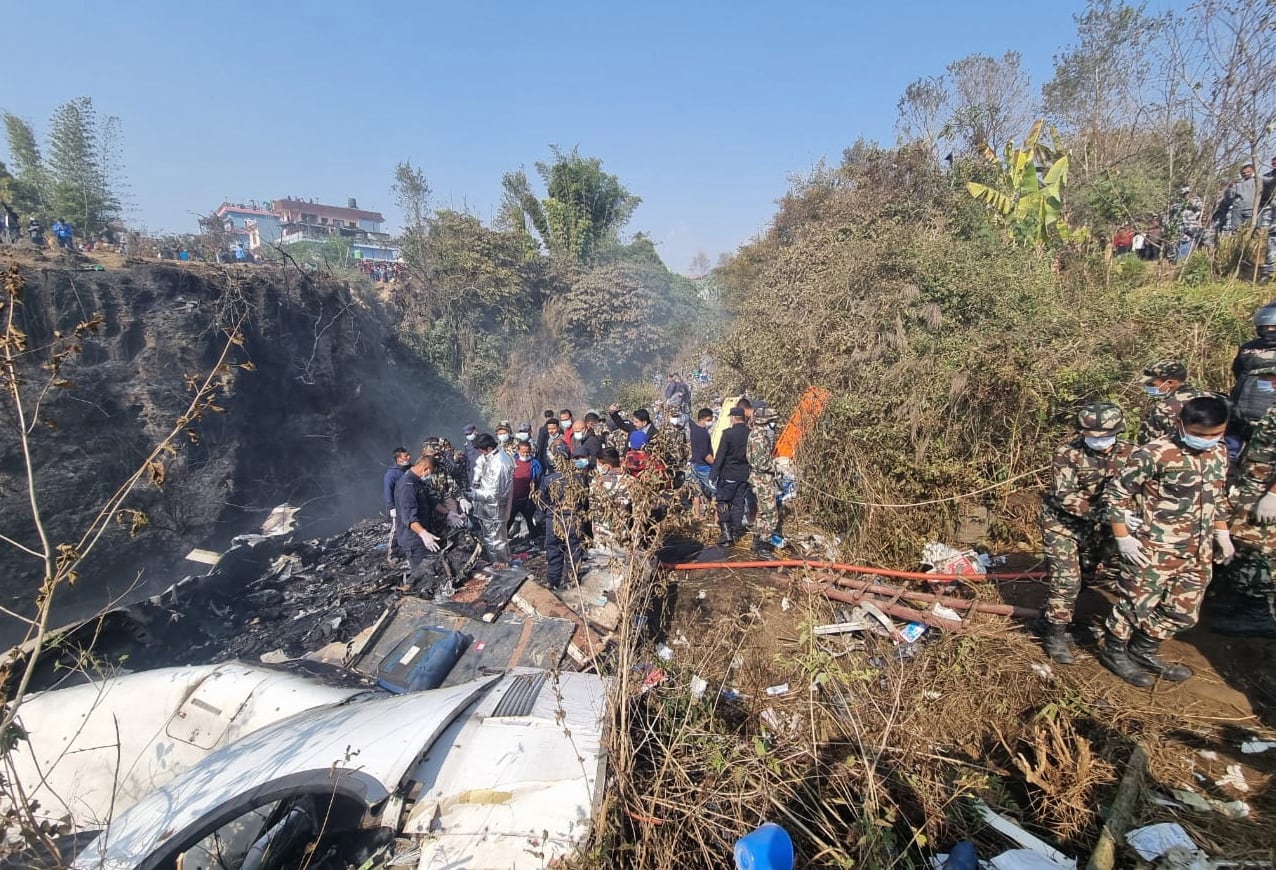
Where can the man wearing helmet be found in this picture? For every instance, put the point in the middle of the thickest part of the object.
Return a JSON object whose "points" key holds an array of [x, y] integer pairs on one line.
{"points": [[1242, 602], [1073, 529], [1249, 401], [1167, 381]]}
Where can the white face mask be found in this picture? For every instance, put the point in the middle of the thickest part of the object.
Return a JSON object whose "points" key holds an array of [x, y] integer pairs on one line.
{"points": [[1100, 443], [503, 437], [522, 458], [677, 421], [565, 424], [579, 436], [523, 436], [469, 437]]}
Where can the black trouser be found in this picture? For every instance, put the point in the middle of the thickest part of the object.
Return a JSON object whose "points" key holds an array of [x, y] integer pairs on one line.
{"points": [[563, 548], [410, 543], [524, 508], [732, 501]]}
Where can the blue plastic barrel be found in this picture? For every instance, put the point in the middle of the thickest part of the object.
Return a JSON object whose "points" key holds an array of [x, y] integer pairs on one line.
{"points": [[962, 857], [422, 660], [768, 848]]}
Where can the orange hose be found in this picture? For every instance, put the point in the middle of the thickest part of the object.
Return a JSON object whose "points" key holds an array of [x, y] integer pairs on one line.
{"points": [[856, 569]]}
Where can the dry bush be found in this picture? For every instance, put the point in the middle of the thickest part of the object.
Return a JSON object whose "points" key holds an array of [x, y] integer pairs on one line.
{"points": [[1063, 771], [955, 360]]}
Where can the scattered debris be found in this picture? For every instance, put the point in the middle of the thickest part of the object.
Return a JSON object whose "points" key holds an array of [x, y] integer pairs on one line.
{"points": [[1253, 747], [1153, 841], [1016, 834], [943, 559]]}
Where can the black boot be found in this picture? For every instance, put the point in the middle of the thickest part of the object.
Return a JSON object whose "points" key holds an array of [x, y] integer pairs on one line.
{"points": [[763, 549], [1143, 650], [727, 538], [1116, 657], [1058, 644]]}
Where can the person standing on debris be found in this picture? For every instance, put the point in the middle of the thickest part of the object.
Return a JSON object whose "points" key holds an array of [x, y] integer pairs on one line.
{"points": [[527, 476], [730, 475], [763, 480], [1074, 532], [412, 510], [610, 501], [1242, 597], [1167, 381], [1176, 486], [701, 446], [402, 461], [471, 453], [493, 485], [563, 496], [446, 512], [1250, 396], [553, 443]]}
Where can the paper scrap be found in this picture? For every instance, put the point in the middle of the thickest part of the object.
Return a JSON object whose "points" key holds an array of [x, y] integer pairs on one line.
{"points": [[1153, 841]]}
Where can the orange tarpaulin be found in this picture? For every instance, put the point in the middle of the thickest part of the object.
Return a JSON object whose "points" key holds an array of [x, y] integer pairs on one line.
{"points": [[804, 418]]}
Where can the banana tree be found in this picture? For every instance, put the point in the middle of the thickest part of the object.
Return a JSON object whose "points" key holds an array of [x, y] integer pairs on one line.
{"points": [[1028, 195]]}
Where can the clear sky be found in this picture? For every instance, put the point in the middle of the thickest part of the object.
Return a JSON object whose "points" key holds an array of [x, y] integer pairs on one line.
{"points": [[704, 109]]}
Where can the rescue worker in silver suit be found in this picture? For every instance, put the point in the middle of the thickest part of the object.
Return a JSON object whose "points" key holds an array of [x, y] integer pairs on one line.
{"points": [[493, 481]]}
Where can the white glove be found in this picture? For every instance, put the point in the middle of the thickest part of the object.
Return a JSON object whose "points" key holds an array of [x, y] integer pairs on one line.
{"points": [[455, 520], [466, 505], [431, 542], [1224, 549], [393, 513], [1132, 551], [1133, 521], [1265, 510]]}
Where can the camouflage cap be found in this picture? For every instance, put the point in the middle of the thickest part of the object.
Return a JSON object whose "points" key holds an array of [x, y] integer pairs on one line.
{"points": [[766, 414], [1166, 368], [1100, 418]]}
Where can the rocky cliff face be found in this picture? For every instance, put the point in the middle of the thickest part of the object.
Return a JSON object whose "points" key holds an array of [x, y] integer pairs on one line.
{"points": [[331, 392]]}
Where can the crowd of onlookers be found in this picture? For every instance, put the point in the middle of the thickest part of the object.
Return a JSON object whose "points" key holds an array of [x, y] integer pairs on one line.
{"points": [[1244, 202], [380, 271]]}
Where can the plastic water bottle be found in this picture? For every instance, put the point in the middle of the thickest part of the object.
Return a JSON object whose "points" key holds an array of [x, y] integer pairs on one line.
{"points": [[768, 848]]}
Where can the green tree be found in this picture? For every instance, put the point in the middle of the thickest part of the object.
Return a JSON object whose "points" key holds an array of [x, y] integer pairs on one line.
{"points": [[412, 195], [81, 190], [31, 179], [582, 213]]}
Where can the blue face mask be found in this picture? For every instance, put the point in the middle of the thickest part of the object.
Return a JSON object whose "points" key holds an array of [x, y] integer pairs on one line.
{"points": [[1195, 442], [1153, 391], [1265, 387], [1100, 443], [580, 463]]}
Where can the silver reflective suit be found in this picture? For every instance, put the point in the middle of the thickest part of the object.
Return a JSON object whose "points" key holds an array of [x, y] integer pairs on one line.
{"points": [[493, 486]]}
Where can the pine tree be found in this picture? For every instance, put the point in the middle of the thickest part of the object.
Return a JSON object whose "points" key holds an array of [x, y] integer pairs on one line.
{"points": [[80, 191], [30, 178]]}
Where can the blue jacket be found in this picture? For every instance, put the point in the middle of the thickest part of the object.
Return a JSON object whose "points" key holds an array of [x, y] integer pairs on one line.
{"points": [[392, 475]]}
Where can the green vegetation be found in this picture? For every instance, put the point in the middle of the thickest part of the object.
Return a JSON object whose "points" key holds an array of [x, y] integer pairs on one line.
{"points": [[523, 314], [76, 176], [955, 357]]}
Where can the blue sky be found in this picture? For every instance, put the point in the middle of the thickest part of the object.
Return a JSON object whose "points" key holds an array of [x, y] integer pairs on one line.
{"points": [[704, 109]]}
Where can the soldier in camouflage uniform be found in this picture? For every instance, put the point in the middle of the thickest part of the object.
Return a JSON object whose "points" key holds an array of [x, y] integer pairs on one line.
{"points": [[1176, 486], [1250, 400], [444, 496], [1166, 380], [1074, 529], [1242, 602], [610, 501], [762, 476]]}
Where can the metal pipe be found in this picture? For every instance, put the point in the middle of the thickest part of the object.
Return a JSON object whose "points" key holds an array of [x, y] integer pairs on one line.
{"points": [[857, 569]]}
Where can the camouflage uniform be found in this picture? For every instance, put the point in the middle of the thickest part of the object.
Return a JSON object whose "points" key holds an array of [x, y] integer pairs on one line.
{"points": [[1162, 419], [761, 447], [1249, 576], [1179, 494], [1074, 529], [441, 489], [671, 451], [610, 507]]}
